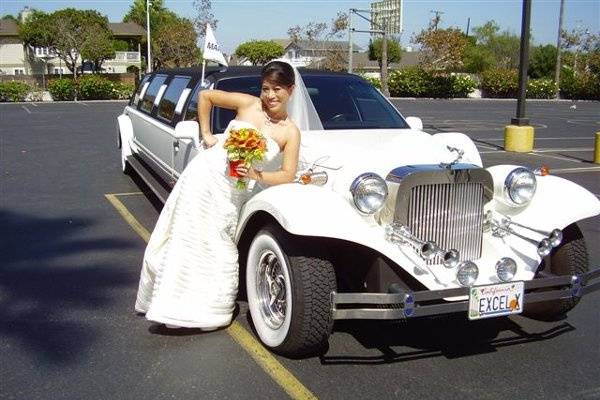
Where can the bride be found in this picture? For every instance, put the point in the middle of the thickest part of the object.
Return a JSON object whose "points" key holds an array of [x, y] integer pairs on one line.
{"points": [[189, 274]]}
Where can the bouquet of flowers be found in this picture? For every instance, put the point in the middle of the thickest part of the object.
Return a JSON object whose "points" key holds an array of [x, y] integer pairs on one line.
{"points": [[244, 146]]}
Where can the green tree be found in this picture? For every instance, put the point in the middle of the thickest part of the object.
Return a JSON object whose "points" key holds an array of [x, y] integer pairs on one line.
{"points": [[175, 44], [204, 16], [98, 45], [394, 51], [477, 59], [259, 52], [137, 13], [542, 62], [68, 32], [10, 17], [504, 46], [442, 49]]}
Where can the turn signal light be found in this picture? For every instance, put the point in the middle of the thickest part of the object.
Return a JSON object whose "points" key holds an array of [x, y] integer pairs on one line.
{"points": [[542, 171]]}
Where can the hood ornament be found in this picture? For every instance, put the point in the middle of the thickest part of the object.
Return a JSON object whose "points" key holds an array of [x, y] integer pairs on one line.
{"points": [[459, 155]]}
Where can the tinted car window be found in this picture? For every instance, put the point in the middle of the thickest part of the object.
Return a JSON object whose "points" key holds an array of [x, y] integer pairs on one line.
{"points": [[166, 107], [136, 97], [150, 95], [342, 102], [191, 113], [249, 85], [347, 102]]}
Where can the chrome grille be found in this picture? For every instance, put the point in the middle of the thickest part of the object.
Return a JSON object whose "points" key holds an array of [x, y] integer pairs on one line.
{"points": [[450, 214]]}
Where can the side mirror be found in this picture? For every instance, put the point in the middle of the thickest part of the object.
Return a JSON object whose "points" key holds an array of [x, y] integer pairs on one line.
{"points": [[415, 123], [188, 130]]}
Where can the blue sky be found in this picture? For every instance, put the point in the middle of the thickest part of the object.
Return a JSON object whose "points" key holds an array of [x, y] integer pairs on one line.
{"points": [[242, 20]]}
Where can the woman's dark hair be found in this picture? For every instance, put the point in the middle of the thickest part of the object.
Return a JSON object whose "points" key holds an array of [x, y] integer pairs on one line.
{"points": [[278, 72]]}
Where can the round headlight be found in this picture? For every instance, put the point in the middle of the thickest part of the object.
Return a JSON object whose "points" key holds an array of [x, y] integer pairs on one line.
{"points": [[506, 269], [467, 273], [369, 192], [520, 186]]}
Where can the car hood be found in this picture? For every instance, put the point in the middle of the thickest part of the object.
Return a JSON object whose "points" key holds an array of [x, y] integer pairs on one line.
{"points": [[348, 153]]}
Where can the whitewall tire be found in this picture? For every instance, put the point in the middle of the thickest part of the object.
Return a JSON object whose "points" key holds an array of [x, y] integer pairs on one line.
{"points": [[289, 293]]}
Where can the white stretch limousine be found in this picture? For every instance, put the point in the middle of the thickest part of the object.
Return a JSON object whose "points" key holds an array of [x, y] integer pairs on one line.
{"points": [[385, 221]]}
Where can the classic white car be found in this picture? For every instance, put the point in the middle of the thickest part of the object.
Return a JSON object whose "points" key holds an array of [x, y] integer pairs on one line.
{"points": [[385, 221]]}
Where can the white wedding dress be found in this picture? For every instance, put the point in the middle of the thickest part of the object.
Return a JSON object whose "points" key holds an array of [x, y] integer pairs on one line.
{"points": [[189, 274]]}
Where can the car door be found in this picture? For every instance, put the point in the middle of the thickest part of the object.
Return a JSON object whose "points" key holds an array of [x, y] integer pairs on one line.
{"points": [[186, 149], [148, 132]]}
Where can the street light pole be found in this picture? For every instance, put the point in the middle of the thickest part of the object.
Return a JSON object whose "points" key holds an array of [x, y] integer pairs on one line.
{"points": [[557, 70], [521, 120], [149, 58], [519, 135]]}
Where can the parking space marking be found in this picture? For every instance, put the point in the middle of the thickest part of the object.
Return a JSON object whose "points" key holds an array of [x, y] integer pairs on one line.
{"points": [[26, 109], [127, 216], [556, 157], [284, 378], [82, 103], [591, 137], [33, 104], [567, 149], [573, 170]]}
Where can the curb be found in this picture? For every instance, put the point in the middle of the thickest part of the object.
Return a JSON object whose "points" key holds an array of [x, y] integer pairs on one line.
{"points": [[63, 102], [494, 99]]}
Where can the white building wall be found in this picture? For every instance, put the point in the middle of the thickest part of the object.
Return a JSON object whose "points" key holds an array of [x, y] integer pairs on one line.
{"points": [[12, 56]]}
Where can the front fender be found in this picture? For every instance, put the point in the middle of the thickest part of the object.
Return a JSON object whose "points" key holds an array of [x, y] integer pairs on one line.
{"points": [[126, 132], [308, 210], [557, 202]]}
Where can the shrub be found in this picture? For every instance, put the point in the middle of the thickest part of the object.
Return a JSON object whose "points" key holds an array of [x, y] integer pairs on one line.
{"points": [[500, 83], [408, 82], [62, 89], [580, 86], [376, 82], [122, 91], [13, 91], [541, 89], [94, 87], [462, 85]]}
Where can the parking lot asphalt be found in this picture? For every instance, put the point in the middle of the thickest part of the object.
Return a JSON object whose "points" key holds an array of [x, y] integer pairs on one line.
{"points": [[70, 266]]}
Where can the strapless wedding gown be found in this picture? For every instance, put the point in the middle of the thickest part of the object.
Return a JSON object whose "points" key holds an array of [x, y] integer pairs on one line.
{"points": [[189, 274]]}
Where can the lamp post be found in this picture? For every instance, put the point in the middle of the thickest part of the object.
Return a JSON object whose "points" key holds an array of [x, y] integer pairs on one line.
{"points": [[519, 135], [149, 58]]}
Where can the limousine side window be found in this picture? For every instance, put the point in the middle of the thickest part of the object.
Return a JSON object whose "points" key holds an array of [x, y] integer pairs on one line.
{"points": [[166, 107], [134, 100], [151, 92], [191, 113], [246, 84]]}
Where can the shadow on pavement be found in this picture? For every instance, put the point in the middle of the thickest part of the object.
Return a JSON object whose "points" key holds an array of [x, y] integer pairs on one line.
{"points": [[51, 283], [448, 337]]}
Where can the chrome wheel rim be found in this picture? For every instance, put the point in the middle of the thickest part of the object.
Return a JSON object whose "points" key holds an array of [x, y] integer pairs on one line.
{"points": [[271, 289]]}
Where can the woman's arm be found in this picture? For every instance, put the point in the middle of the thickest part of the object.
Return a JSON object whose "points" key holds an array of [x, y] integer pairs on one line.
{"points": [[287, 173], [219, 98]]}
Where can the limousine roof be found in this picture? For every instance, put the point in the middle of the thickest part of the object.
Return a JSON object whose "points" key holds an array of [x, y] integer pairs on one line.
{"points": [[226, 72]]}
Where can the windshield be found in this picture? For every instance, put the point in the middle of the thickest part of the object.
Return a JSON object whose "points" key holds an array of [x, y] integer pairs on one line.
{"points": [[342, 102]]}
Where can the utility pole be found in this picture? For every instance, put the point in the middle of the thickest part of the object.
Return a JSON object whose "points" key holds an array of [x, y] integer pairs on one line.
{"points": [[558, 40], [468, 25], [435, 20], [350, 49], [149, 58]]}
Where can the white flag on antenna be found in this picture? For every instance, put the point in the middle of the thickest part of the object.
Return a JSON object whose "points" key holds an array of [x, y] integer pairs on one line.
{"points": [[212, 51]]}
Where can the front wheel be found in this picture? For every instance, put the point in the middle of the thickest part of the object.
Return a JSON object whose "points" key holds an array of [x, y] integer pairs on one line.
{"points": [[569, 258], [289, 293]]}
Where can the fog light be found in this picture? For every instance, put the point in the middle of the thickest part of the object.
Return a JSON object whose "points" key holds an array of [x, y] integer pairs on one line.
{"points": [[451, 258], [506, 269], [556, 237], [467, 273], [544, 248]]}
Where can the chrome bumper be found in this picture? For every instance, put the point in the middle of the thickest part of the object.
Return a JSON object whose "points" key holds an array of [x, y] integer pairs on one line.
{"points": [[403, 304]]}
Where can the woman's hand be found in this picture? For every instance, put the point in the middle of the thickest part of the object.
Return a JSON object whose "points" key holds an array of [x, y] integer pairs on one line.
{"points": [[246, 172], [209, 140]]}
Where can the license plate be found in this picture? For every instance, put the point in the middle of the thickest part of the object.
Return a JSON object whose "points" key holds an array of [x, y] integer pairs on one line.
{"points": [[496, 300]]}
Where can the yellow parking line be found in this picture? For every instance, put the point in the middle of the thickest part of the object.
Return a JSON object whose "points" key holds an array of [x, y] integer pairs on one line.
{"points": [[128, 217], [284, 378]]}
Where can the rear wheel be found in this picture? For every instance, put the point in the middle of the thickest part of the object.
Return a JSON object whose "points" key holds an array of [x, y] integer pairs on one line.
{"points": [[289, 293], [569, 258]]}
